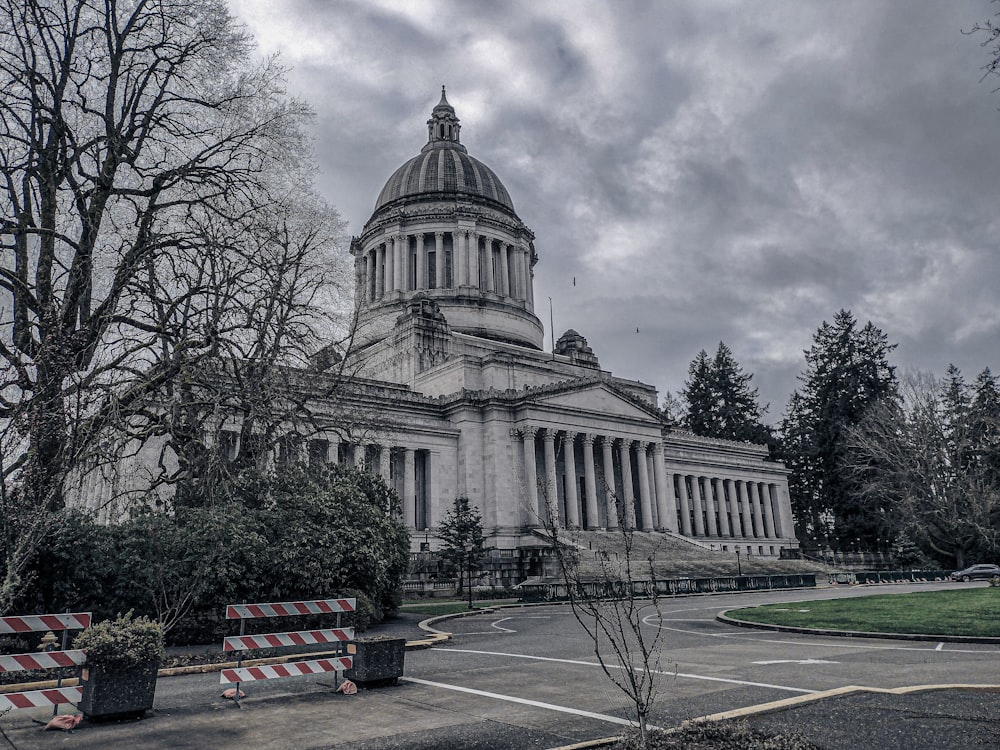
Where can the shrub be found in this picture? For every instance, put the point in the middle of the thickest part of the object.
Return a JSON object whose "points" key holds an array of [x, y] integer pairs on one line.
{"points": [[122, 643]]}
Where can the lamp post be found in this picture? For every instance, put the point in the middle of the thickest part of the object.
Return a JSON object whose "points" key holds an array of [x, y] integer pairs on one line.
{"points": [[468, 567]]}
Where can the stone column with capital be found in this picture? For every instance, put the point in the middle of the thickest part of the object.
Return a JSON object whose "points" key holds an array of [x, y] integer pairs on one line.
{"points": [[645, 501], [379, 271], [698, 510], [531, 284], [491, 284], [720, 494], [504, 270], [551, 501], [590, 482], [666, 503], [741, 489], [734, 509], [390, 266], [439, 261], [779, 495], [409, 490], [569, 472], [472, 253], [531, 476], [765, 501], [628, 494], [459, 258], [711, 515], [609, 479], [685, 503], [384, 457], [756, 511], [421, 281]]}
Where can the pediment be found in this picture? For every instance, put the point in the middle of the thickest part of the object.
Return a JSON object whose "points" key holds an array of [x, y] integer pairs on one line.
{"points": [[598, 399]]}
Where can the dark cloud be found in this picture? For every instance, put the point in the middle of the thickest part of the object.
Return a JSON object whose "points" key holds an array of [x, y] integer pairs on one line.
{"points": [[705, 170]]}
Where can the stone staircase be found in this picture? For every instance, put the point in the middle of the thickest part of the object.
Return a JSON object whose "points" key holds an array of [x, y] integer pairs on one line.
{"points": [[674, 556]]}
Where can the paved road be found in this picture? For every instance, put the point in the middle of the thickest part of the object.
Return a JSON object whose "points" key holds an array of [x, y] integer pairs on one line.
{"points": [[526, 677]]}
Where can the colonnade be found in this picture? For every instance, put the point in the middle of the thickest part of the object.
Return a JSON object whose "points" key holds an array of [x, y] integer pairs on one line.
{"points": [[446, 260], [591, 481]]}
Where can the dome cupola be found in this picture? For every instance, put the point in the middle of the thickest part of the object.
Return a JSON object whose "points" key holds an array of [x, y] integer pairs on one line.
{"points": [[444, 226]]}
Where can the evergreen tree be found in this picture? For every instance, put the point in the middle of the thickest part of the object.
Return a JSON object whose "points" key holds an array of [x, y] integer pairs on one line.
{"points": [[720, 401], [847, 372], [984, 424], [461, 535]]}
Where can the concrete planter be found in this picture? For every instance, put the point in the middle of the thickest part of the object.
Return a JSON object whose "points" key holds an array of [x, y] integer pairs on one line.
{"points": [[377, 661], [112, 693]]}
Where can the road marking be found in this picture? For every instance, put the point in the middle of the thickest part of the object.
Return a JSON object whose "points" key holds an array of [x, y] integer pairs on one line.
{"points": [[939, 647], [525, 702], [685, 675], [493, 625], [796, 661]]}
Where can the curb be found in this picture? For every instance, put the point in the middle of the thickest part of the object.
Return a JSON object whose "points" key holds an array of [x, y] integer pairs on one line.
{"points": [[721, 617]]}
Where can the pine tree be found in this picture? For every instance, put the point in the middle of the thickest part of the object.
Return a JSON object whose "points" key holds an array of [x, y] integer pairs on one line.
{"points": [[461, 535], [720, 401], [847, 372]]}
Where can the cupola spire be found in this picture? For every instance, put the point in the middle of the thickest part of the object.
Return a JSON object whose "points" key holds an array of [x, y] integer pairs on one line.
{"points": [[443, 127]]}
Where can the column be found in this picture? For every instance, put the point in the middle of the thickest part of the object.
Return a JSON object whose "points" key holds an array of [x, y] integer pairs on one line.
{"points": [[666, 504], [755, 510], [590, 482], [333, 450], [780, 496], [472, 253], [531, 474], [390, 265], [628, 496], [765, 500], [569, 472], [645, 501], [459, 258], [379, 271], [720, 495], [488, 260], [711, 514], [439, 263], [734, 509], [741, 487], [359, 455], [504, 270], [551, 508], [398, 267], [421, 281], [697, 511], [685, 505], [515, 272], [384, 460], [531, 284], [409, 490], [609, 480]]}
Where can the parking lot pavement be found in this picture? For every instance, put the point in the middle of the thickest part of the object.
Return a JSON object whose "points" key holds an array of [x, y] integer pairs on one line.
{"points": [[947, 719]]}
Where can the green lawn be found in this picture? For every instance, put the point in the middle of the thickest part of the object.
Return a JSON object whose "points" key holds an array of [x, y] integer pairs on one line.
{"points": [[973, 612]]}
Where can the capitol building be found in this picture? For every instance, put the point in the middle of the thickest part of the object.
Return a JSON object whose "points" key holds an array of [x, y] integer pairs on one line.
{"points": [[450, 363]]}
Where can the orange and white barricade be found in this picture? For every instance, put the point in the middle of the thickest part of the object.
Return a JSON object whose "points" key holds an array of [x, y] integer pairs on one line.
{"points": [[337, 635], [59, 659]]}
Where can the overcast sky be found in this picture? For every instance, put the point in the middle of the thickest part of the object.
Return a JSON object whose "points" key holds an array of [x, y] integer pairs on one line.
{"points": [[705, 171]]}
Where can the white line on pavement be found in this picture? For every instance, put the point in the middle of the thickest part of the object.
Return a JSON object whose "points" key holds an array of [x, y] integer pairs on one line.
{"points": [[612, 666], [524, 701]]}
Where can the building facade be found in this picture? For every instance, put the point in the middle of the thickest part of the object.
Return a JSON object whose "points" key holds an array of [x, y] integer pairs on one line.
{"points": [[466, 401]]}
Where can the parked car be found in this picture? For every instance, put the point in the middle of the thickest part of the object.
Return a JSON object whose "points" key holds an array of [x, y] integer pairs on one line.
{"points": [[976, 572]]}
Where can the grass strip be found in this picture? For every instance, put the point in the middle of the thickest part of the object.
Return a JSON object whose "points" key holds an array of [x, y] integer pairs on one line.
{"points": [[972, 612]]}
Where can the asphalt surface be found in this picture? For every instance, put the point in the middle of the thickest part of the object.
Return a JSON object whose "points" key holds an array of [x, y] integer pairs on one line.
{"points": [[418, 714]]}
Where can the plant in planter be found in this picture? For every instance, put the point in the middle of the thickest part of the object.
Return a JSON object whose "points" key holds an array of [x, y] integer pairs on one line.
{"points": [[119, 677], [377, 661]]}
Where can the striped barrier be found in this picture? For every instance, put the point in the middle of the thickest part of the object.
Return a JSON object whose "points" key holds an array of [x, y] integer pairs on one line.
{"points": [[281, 640], [338, 635], [39, 698], [43, 659], [293, 669], [34, 623], [286, 609]]}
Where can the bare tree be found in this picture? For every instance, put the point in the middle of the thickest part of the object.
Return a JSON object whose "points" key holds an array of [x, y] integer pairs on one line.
{"points": [[152, 236], [612, 606]]}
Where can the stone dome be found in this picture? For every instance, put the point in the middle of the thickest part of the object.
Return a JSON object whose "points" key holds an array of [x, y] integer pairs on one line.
{"points": [[444, 168]]}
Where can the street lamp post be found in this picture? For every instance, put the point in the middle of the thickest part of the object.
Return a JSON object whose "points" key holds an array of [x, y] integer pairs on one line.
{"points": [[468, 567]]}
